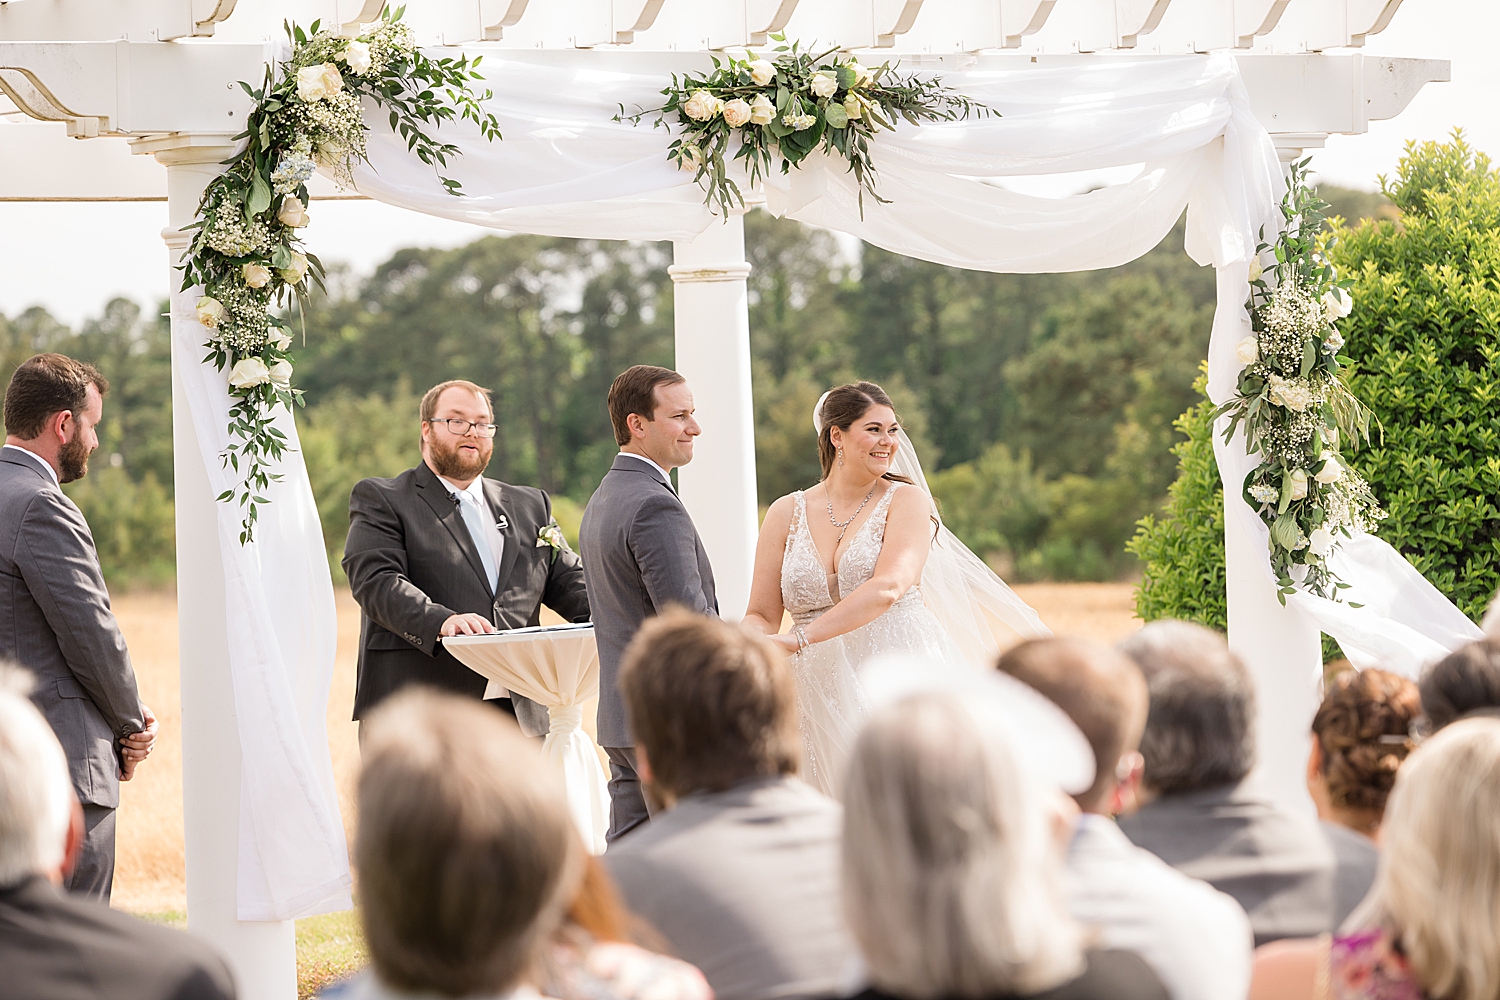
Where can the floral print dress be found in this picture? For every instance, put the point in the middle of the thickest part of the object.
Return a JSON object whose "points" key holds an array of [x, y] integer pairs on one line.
{"points": [[1367, 965]]}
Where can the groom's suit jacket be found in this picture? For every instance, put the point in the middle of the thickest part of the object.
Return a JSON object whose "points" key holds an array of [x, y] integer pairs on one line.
{"points": [[55, 620], [640, 553], [412, 563]]}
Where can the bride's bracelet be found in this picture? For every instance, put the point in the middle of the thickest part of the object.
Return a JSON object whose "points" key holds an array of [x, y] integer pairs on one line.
{"points": [[802, 641]]}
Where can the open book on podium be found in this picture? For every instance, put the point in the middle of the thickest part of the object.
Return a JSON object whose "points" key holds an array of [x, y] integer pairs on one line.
{"points": [[556, 666]]}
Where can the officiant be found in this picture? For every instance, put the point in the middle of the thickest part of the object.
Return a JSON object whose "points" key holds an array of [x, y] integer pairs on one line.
{"points": [[441, 551]]}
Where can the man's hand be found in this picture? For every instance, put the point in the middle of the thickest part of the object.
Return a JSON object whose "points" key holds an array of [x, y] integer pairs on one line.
{"points": [[137, 746], [467, 625]]}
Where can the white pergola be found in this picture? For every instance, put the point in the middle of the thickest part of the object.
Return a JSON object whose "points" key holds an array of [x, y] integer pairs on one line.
{"points": [[162, 75]]}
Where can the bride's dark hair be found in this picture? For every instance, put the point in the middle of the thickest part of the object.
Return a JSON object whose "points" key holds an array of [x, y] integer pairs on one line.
{"points": [[845, 405]]}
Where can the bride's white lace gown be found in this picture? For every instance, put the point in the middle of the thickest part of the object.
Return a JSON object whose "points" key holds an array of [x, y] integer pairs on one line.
{"points": [[828, 692]]}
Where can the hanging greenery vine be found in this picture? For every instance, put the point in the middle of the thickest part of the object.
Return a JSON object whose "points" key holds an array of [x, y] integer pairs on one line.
{"points": [[246, 253], [792, 105], [1295, 409]]}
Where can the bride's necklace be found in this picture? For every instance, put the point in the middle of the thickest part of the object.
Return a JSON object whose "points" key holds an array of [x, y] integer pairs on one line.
{"points": [[845, 525]]}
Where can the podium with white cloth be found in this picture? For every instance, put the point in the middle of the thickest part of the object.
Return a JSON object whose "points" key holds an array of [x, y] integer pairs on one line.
{"points": [[556, 666]]}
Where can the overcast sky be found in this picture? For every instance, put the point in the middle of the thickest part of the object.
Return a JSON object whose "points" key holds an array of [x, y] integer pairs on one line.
{"points": [[72, 258]]}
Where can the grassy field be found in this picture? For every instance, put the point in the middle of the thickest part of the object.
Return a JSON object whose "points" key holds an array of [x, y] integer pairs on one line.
{"points": [[149, 873]]}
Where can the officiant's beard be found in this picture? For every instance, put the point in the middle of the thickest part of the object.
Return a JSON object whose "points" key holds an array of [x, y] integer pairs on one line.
{"points": [[73, 460], [449, 461]]}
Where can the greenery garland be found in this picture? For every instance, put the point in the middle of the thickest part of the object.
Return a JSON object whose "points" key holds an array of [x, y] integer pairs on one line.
{"points": [[1295, 408], [246, 253], [792, 105]]}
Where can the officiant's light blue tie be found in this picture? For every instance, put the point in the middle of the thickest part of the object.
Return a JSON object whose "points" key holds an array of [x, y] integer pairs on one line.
{"points": [[483, 531]]}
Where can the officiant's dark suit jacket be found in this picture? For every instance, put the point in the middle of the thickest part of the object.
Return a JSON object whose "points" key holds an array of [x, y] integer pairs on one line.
{"points": [[641, 553], [412, 563]]}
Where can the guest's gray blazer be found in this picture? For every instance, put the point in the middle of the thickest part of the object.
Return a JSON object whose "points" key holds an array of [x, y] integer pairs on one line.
{"points": [[55, 620], [640, 553]]}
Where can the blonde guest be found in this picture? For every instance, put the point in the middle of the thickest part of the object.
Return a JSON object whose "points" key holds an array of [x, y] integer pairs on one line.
{"points": [[1430, 927]]}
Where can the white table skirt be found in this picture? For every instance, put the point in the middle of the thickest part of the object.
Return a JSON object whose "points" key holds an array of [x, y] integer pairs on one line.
{"points": [[557, 667]]}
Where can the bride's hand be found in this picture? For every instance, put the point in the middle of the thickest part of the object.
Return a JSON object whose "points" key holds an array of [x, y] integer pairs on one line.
{"points": [[786, 641]]}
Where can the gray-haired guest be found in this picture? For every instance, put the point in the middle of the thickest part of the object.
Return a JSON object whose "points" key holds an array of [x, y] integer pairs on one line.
{"points": [[56, 945], [1203, 814], [55, 608]]}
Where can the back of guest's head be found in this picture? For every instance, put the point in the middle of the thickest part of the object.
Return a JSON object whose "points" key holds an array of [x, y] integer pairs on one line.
{"points": [[1362, 729], [36, 793], [1437, 890], [46, 384], [1200, 728], [465, 849], [711, 704], [1100, 689], [951, 875], [1466, 680]]}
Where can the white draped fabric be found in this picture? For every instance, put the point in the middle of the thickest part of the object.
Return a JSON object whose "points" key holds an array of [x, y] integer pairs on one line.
{"points": [[564, 168]]}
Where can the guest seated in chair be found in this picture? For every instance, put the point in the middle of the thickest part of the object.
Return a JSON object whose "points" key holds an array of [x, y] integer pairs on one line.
{"points": [[441, 551], [952, 867], [1197, 939], [1426, 931], [56, 945], [1361, 735], [740, 873], [1203, 813], [1465, 682]]}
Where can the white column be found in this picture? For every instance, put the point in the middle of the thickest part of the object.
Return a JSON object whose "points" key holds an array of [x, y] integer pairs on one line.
{"points": [[263, 956], [1282, 648], [712, 313]]}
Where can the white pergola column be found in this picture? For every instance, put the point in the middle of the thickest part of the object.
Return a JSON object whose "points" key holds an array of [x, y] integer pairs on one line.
{"points": [[1283, 649], [712, 313], [263, 956]]}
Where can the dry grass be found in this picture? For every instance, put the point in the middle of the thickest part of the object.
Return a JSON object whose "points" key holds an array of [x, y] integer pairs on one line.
{"points": [[149, 876]]}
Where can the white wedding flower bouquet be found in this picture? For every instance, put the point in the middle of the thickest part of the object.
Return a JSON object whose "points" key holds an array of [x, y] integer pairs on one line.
{"points": [[246, 256], [1294, 407]]}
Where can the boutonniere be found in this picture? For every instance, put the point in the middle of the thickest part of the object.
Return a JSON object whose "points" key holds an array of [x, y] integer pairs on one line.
{"points": [[502, 522], [551, 534]]}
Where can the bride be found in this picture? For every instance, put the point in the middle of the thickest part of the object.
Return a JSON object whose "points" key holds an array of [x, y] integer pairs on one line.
{"points": [[864, 566]]}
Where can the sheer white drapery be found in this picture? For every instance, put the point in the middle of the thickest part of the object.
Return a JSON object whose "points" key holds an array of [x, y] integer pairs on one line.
{"points": [[564, 168]]}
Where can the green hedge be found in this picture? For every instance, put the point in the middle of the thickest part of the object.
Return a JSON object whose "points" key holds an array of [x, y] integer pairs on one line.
{"points": [[1424, 352]]}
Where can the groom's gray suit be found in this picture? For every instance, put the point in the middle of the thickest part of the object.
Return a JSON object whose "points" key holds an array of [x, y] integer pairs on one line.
{"points": [[640, 553]]}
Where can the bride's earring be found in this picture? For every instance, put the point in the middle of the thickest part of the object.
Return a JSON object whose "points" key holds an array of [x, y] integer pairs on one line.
{"points": [[841, 457]]}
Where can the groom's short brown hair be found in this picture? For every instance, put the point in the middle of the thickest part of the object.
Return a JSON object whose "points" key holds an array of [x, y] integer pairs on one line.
{"points": [[46, 384], [634, 391], [712, 704]]}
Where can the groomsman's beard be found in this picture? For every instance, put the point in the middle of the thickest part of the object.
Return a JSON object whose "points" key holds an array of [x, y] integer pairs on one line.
{"points": [[73, 460], [450, 463]]}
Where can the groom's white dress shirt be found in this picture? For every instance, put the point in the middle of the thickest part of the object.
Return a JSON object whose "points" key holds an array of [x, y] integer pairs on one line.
{"points": [[46, 465], [1197, 939]]}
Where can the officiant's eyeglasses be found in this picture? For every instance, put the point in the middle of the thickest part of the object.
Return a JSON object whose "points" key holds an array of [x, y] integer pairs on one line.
{"points": [[460, 427]]}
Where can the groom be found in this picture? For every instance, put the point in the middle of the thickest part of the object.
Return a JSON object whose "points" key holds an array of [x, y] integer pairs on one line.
{"points": [[640, 553]]}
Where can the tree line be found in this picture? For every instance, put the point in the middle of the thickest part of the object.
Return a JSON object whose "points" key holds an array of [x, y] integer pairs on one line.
{"points": [[1042, 405]]}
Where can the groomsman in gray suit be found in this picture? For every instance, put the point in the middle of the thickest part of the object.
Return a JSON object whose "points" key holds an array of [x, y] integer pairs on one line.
{"points": [[55, 609], [640, 553]]}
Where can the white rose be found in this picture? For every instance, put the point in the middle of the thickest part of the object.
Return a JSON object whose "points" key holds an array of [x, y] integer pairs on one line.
{"points": [[357, 57], [825, 84], [1332, 471], [1255, 268], [293, 213], [1299, 484], [314, 83], [210, 311], [1321, 542], [762, 111], [256, 275], [297, 270], [762, 71], [1337, 303], [1333, 341], [1248, 351], [689, 156], [863, 75], [702, 106], [281, 340], [1331, 437], [853, 108], [251, 371], [280, 374], [737, 112]]}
